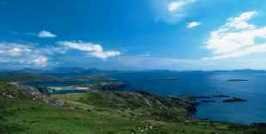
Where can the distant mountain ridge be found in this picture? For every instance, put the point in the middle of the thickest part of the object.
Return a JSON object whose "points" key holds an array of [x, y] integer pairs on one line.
{"points": [[90, 71]]}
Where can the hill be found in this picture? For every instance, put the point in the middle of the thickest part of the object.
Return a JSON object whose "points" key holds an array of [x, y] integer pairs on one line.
{"points": [[25, 111]]}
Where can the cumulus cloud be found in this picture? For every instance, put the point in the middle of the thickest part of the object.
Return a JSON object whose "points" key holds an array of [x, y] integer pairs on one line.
{"points": [[237, 38], [35, 56], [171, 11], [178, 6], [21, 54], [46, 34], [193, 24], [40, 60], [95, 50]]}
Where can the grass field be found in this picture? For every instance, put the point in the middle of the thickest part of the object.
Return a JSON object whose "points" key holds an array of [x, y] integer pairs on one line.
{"points": [[102, 113]]}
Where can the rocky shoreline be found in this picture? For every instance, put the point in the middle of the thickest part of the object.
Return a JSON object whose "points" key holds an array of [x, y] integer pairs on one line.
{"points": [[217, 99], [151, 113]]}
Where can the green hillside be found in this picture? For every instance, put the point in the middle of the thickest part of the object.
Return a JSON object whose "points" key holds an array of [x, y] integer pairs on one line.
{"points": [[103, 112]]}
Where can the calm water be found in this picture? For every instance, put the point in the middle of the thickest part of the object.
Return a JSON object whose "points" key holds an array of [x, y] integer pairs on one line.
{"points": [[208, 83]]}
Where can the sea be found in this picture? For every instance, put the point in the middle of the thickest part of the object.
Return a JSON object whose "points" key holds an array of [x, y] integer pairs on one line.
{"points": [[247, 85]]}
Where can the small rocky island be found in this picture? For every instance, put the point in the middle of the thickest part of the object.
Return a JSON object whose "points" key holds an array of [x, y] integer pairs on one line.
{"points": [[216, 99], [233, 100], [236, 80]]}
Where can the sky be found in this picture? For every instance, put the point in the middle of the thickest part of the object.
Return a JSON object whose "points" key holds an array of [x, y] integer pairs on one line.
{"points": [[133, 34]]}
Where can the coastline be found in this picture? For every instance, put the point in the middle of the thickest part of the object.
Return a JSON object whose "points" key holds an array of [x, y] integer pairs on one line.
{"points": [[105, 111]]}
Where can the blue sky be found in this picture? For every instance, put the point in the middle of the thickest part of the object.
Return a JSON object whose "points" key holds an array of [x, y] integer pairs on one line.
{"points": [[133, 34]]}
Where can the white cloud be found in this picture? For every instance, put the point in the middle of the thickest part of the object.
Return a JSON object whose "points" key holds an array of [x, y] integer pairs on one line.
{"points": [[41, 61], [237, 38], [171, 11], [178, 5], [193, 24], [95, 50], [21, 54], [46, 34], [16, 50]]}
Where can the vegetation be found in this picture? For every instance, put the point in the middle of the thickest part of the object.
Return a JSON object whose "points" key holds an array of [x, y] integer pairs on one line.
{"points": [[103, 112]]}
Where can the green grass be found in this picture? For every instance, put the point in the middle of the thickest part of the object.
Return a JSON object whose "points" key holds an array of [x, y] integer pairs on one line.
{"points": [[102, 113]]}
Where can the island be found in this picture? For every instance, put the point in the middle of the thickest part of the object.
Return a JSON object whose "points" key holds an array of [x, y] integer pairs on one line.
{"points": [[236, 80], [234, 99]]}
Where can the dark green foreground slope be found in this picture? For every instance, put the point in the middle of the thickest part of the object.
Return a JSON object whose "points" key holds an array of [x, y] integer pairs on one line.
{"points": [[103, 112]]}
